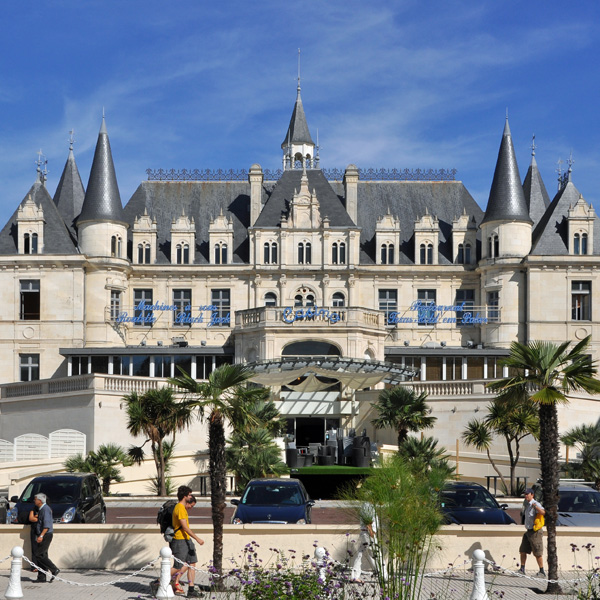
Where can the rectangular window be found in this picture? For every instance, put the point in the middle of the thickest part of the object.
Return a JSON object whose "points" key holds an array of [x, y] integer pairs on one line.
{"points": [[79, 365], [185, 363], [162, 366], [141, 299], [433, 368], [30, 300], [581, 300], [115, 304], [466, 297], [30, 367], [454, 368], [182, 300], [475, 367], [121, 365], [493, 304], [426, 316], [99, 364], [141, 366], [388, 303], [221, 300]]}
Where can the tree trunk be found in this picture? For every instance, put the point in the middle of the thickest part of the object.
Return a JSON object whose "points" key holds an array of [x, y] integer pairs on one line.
{"points": [[511, 460], [161, 472], [550, 473], [495, 467], [217, 470]]}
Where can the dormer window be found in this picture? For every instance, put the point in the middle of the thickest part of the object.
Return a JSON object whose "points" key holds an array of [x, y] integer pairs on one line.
{"points": [[116, 246], [426, 254], [387, 254], [220, 254], [144, 253], [304, 297], [30, 243], [304, 253], [580, 243], [493, 246], [182, 254], [463, 256], [338, 253], [270, 253]]}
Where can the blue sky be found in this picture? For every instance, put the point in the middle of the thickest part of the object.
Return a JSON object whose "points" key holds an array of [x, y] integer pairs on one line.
{"points": [[197, 84]]}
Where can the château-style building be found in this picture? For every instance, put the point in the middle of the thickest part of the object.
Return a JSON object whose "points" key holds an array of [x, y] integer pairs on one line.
{"points": [[333, 283]]}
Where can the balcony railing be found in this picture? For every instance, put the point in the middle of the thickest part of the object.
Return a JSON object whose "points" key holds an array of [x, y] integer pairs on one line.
{"points": [[271, 316]]}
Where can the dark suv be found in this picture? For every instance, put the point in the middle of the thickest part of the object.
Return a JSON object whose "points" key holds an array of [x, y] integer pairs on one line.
{"points": [[73, 497]]}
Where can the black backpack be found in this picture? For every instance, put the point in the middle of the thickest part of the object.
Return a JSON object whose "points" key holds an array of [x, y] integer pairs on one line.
{"points": [[165, 515]]}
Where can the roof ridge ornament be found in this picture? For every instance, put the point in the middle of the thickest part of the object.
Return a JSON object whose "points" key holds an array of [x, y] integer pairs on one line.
{"points": [[533, 146], [42, 173], [71, 139]]}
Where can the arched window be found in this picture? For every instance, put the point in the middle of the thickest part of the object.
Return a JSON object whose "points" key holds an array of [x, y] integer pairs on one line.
{"points": [[34, 243], [27, 244], [304, 253], [113, 245], [493, 246], [304, 297], [387, 254], [584, 239], [338, 300], [270, 299], [144, 254], [460, 256], [220, 253], [576, 244], [467, 254], [270, 253], [182, 255], [426, 254], [338, 253]]}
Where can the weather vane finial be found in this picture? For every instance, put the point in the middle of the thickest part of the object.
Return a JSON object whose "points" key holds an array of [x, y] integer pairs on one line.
{"points": [[570, 161], [42, 161], [71, 139], [533, 146], [298, 68]]}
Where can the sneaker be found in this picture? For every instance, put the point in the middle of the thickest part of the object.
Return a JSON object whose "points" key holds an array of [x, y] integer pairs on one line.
{"points": [[194, 593], [522, 569], [541, 573]]}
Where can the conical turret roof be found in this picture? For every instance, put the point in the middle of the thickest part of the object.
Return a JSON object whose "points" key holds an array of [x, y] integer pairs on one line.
{"points": [[507, 200], [535, 192], [297, 132], [102, 199], [70, 193]]}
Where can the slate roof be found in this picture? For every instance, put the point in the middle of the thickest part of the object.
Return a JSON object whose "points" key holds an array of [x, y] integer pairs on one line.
{"points": [[507, 200], [408, 201], [69, 194], [57, 239], [297, 131], [166, 200], [535, 192], [551, 236], [278, 203], [102, 199]]}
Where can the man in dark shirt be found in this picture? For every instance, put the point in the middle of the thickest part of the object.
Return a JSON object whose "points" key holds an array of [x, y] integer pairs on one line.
{"points": [[42, 538]]}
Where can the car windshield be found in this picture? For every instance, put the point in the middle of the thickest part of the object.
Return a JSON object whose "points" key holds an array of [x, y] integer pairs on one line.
{"points": [[584, 501], [467, 498], [57, 492], [272, 495]]}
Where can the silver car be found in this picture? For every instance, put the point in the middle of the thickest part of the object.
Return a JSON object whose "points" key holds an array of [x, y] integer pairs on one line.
{"points": [[578, 506]]}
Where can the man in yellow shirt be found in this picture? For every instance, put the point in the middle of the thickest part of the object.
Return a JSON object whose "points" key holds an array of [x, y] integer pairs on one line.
{"points": [[182, 546]]}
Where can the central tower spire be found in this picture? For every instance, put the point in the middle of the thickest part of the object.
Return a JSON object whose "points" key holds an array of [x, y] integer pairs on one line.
{"points": [[298, 145]]}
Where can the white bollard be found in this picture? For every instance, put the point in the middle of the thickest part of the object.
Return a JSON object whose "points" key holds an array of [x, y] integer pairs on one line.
{"points": [[14, 582], [320, 555], [478, 592], [164, 589]]}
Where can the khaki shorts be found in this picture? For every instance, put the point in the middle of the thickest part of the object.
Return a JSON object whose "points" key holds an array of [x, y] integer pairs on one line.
{"points": [[532, 543]]}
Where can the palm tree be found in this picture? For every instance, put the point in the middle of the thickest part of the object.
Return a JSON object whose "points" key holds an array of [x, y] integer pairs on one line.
{"points": [[224, 398], [586, 438], [252, 454], [511, 420], [424, 454], [157, 415], [403, 410], [104, 463], [547, 373]]}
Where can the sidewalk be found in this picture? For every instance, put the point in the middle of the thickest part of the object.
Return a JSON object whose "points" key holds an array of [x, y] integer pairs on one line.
{"points": [[456, 586]]}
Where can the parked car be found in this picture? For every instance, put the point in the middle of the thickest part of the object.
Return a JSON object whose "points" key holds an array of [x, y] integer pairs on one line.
{"points": [[578, 505], [465, 503], [73, 497], [278, 501]]}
